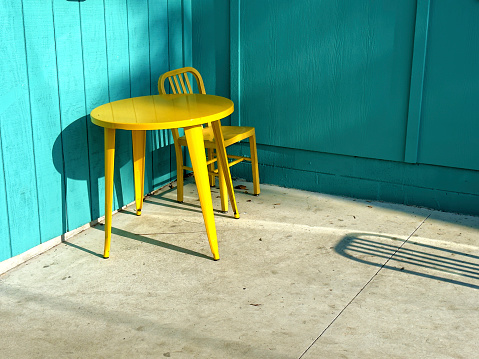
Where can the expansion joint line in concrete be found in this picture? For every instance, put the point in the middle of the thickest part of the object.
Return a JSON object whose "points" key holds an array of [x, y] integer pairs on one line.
{"points": [[364, 286]]}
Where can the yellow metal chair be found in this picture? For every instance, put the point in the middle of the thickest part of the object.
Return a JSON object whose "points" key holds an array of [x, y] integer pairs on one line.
{"points": [[180, 84]]}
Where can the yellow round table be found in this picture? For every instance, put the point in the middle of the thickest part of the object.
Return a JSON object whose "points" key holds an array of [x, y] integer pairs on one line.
{"points": [[160, 112]]}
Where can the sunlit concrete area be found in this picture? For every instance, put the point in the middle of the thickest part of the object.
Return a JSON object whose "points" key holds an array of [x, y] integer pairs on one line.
{"points": [[301, 275]]}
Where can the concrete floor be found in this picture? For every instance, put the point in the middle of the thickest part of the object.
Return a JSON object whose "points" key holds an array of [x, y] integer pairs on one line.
{"points": [[301, 275]]}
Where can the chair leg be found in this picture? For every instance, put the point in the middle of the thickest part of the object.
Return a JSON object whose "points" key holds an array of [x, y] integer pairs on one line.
{"points": [[223, 158], [223, 189], [211, 166], [179, 166], [254, 164]]}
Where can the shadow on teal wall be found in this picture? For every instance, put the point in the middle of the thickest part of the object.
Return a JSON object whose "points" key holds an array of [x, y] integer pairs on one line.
{"points": [[66, 58]]}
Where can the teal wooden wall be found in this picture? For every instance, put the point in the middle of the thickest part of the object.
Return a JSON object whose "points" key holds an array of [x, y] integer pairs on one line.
{"points": [[60, 59], [366, 98]]}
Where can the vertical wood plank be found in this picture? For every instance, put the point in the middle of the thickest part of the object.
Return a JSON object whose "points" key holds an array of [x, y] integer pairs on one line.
{"points": [[158, 30], [66, 17], [139, 49], [159, 62], [46, 126], [417, 81], [235, 60], [204, 42], [175, 33], [16, 131], [163, 154], [92, 16], [116, 22], [187, 33], [176, 60]]}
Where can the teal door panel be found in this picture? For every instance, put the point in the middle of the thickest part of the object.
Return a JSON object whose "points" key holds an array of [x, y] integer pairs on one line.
{"points": [[450, 118], [329, 76]]}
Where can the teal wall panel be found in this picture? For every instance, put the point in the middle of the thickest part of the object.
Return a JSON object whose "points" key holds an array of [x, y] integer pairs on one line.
{"points": [[335, 73], [16, 131], [450, 122], [66, 58]]}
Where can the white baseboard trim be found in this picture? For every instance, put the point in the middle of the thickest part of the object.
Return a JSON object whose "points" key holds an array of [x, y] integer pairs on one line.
{"points": [[13, 262]]}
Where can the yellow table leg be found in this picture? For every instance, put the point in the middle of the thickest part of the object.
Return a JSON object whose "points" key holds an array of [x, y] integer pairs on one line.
{"points": [[222, 158], [196, 147], [109, 167], [139, 141]]}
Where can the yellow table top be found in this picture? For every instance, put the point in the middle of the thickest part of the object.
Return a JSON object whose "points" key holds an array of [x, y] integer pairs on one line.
{"points": [[159, 112]]}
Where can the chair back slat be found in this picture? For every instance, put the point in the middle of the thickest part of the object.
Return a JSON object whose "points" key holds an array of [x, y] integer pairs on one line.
{"points": [[180, 76], [172, 85], [188, 84], [179, 87]]}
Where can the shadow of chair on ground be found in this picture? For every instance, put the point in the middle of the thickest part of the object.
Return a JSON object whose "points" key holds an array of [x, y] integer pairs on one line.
{"points": [[414, 256]]}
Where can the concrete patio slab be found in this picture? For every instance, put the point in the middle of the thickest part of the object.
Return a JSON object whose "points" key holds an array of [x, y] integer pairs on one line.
{"points": [[301, 275]]}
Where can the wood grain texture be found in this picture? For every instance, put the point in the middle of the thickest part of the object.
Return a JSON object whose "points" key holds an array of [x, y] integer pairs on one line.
{"points": [[336, 74], [16, 130]]}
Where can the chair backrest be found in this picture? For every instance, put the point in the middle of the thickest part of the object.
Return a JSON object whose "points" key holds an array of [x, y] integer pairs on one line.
{"points": [[179, 81]]}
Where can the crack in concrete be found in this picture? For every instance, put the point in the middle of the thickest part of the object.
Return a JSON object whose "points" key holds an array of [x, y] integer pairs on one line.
{"points": [[364, 287]]}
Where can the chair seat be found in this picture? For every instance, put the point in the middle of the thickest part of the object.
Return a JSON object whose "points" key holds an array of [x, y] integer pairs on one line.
{"points": [[231, 134]]}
